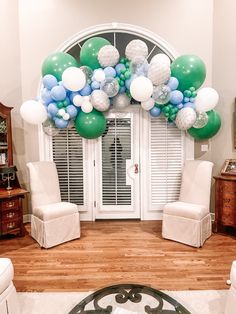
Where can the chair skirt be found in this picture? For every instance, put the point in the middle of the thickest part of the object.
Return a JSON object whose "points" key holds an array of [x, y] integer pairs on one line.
{"points": [[56, 231], [185, 230], [9, 303]]}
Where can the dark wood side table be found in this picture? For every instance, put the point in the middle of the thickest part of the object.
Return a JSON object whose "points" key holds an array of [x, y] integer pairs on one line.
{"points": [[225, 202], [11, 212]]}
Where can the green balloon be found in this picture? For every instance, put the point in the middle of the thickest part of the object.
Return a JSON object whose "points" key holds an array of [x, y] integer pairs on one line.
{"points": [[57, 62], [90, 125], [89, 51], [210, 129], [189, 70]]}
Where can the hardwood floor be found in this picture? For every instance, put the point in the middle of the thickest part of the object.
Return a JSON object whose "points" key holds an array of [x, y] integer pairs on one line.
{"points": [[112, 252]]}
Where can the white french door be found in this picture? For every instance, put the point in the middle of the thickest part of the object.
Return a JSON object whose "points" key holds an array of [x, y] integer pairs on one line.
{"points": [[117, 167]]}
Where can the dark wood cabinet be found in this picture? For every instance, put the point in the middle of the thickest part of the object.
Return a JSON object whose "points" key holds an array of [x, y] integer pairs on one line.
{"points": [[225, 202], [11, 193], [11, 211]]}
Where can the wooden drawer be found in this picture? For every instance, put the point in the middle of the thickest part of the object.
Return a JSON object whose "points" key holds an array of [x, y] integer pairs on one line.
{"points": [[11, 214], [10, 225], [11, 203]]}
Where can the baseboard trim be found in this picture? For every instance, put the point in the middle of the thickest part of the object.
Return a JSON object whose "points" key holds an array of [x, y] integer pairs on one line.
{"points": [[26, 218]]}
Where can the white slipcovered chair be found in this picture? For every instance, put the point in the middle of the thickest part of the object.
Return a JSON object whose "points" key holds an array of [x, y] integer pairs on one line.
{"points": [[53, 221], [231, 296], [8, 297], [188, 220]]}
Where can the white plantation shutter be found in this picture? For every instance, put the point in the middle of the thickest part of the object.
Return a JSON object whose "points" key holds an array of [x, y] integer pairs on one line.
{"points": [[67, 147], [116, 149], [166, 153]]}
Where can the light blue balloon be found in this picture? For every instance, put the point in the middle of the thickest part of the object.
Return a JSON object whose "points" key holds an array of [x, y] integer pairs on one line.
{"points": [[49, 81], [52, 109], [86, 91], [95, 85], [72, 111], [176, 97], [186, 99], [120, 67], [110, 72], [155, 111], [61, 123], [173, 83], [122, 89], [46, 96], [192, 99], [49, 115], [189, 105], [58, 93], [180, 106], [72, 95]]}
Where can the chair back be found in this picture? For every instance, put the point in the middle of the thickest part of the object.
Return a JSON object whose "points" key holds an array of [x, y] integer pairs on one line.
{"points": [[44, 183], [196, 182]]}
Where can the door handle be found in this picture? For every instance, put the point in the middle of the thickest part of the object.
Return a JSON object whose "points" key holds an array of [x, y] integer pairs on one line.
{"points": [[135, 168]]}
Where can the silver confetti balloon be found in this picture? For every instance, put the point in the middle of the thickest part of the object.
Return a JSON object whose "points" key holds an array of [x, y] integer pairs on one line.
{"points": [[88, 73], [161, 94], [49, 128], [201, 121], [139, 66], [110, 86], [121, 101]]}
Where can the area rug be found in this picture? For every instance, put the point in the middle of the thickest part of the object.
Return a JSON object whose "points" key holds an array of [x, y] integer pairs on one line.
{"points": [[197, 302]]}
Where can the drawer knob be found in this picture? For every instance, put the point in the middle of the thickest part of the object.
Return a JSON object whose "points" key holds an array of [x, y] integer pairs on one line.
{"points": [[10, 215], [10, 225]]}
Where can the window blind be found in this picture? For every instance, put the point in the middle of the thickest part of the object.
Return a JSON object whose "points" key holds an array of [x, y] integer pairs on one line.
{"points": [[67, 148], [166, 161]]}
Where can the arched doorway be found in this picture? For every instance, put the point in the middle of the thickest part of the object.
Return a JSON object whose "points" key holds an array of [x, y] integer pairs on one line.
{"points": [[135, 167]]}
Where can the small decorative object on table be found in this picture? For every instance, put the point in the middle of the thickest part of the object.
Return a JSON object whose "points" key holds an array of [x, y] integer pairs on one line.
{"points": [[8, 174], [229, 167]]}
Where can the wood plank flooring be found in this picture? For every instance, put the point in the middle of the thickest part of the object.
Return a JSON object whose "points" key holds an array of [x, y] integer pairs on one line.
{"points": [[112, 252]]}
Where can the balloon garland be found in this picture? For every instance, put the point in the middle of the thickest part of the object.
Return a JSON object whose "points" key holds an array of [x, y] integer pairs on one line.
{"points": [[78, 94]]}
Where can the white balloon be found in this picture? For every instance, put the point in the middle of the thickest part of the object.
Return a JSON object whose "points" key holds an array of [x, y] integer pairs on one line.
{"points": [[33, 112], [149, 104], [66, 116], [141, 88], [73, 79], [61, 112], [136, 48], [161, 57], [207, 98], [158, 72], [78, 100], [100, 100], [108, 55], [87, 106], [99, 75], [185, 118]]}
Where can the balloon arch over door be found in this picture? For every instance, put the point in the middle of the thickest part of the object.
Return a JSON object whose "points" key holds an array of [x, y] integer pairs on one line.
{"points": [[114, 66]]}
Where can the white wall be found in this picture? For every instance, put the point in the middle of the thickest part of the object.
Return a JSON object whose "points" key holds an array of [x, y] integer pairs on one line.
{"points": [[44, 25], [10, 78], [224, 78]]}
